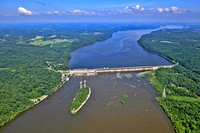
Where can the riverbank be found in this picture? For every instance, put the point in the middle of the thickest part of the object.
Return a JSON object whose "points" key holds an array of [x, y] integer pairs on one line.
{"points": [[73, 110], [102, 108], [157, 53], [64, 78], [56, 65], [39, 99], [53, 67], [142, 74], [182, 81], [179, 104]]}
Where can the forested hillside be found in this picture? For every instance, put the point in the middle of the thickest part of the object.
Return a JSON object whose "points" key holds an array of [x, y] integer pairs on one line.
{"points": [[182, 83]]}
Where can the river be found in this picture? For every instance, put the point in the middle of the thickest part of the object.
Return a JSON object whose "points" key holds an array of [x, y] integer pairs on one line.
{"points": [[103, 113], [121, 50]]}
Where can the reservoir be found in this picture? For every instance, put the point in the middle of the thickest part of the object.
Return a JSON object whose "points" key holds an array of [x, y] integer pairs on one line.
{"points": [[103, 112], [121, 50]]}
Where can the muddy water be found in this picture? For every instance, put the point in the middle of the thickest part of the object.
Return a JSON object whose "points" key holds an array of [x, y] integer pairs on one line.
{"points": [[103, 113]]}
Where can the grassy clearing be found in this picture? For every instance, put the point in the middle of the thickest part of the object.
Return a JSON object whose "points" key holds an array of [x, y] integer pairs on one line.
{"points": [[37, 37], [40, 42], [4, 69]]}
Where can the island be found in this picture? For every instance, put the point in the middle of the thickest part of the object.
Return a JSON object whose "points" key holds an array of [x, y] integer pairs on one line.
{"points": [[124, 98], [81, 98]]}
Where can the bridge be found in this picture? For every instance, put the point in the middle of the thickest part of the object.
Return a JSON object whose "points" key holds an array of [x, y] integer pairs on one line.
{"points": [[90, 72]]}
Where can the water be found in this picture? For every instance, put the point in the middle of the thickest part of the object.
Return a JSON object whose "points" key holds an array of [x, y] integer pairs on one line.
{"points": [[121, 50], [103, 112]]}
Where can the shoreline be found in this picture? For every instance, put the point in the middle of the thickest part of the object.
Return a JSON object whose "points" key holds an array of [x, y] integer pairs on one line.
{"points": [[154, 52], [46, 96], [141, 74], [58, 88], [42, 98]]}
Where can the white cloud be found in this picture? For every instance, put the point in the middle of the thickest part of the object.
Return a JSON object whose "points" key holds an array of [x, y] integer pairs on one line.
{"points": [[131, 10], [136, 10], [76, 11], [127, 10], [137, 7], [56, 12], [79, 12], [174, 9], [160, 9], [22, 10], [167, 9], [142, 9], [72, 12], [177, 10]]}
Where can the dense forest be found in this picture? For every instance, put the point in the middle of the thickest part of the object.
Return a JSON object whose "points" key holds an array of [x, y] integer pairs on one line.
{"points": [[31, 54], [182, 82]]}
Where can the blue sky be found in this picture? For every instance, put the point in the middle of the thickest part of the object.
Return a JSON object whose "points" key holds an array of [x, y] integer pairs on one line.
{"points": [[99, 10]]}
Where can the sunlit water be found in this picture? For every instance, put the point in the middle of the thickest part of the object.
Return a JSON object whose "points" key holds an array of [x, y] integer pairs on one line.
{"points": [[103, 113]]}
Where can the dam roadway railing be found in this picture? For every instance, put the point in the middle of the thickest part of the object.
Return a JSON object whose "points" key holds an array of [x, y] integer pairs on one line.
{"points": [[88, 72]]}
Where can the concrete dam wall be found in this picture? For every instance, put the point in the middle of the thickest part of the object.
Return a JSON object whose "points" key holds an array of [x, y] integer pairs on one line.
{"points": [[88, 72]]}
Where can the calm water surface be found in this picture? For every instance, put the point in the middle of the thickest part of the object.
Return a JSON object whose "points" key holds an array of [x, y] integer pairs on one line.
{"points": [[103, 113], [121, 50]]}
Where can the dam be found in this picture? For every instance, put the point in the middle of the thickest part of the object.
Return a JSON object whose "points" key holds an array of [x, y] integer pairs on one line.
{"points": [[90, 72]]}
